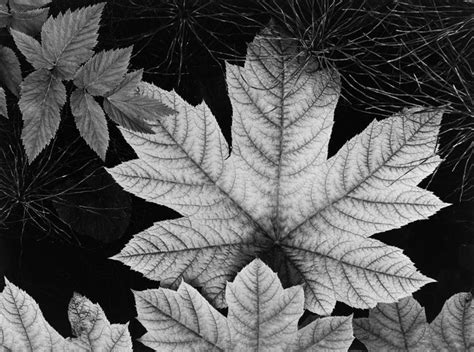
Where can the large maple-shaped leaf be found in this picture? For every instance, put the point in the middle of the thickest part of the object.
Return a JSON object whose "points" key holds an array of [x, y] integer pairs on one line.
{"points": [[24, 328], [262, 317], [402, 326], [277, 195]]}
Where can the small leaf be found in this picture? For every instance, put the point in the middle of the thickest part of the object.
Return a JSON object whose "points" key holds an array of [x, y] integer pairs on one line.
{"points": [[453, 328], [24, 328], [29, 22], [262, 315], [42, 97], [104, 71], [69, 38], [3, 104], [132, 111], [10, 71], [399, 326], [129, 84], [326, 334], [94, 332], [31, 49], [90, 121]]}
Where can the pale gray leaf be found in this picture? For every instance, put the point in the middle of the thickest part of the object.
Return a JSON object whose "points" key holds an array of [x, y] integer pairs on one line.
{"points": [[262, 315], [180, 321], [326, 334], [277, 189], [397, 326], [93, 330], [453, 328]]}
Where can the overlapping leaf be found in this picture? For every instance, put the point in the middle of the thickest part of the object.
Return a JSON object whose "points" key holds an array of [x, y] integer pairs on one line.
{"points": [[262, 317], [3, 104], [277, 194], [10, 72], [402, 326], [24, 328], [25, 16]]}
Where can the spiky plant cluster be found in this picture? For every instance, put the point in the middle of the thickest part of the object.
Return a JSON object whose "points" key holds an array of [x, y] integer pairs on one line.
{"points": [[27, 191], [392, 54], [186, 34]]}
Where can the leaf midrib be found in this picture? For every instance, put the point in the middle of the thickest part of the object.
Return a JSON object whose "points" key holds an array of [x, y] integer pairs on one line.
{"points": [[362, 182]]}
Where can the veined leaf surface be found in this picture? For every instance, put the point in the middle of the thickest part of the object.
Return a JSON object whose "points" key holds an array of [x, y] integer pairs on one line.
{"points": [[10, 73], [277, 194], [42, 97], [24, 328], [3, 104], [402, 326], [68, 39], [262, 317]]}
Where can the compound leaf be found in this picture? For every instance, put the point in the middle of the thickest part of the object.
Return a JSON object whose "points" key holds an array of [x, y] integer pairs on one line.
{"points": [[69, 38], [3, 104], [31, 49], [24, 328], [10, 71], [453, 328], [262, 317], [277, 195], [42, 97], [90, 121], [104, 71]]}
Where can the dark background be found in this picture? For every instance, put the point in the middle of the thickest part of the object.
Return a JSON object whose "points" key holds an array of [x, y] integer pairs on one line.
{"points": [[51, 260]]}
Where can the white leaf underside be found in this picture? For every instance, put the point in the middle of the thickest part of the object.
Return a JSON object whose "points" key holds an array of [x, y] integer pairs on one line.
{"points": [[262, 317], [277, 187], [402, 326], [24, 328]]}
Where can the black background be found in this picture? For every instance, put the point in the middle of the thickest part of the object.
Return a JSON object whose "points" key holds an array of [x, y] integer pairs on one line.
{"points": [[51, 269]]}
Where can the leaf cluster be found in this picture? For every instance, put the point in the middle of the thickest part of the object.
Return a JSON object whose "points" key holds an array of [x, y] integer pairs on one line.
{"points": [[65, 54]]}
